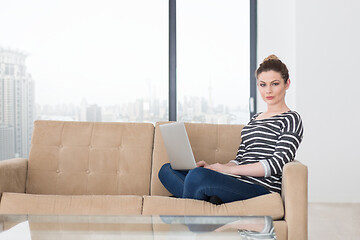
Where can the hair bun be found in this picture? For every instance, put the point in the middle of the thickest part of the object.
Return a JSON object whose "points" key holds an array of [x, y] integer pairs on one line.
{"points": [[271, 57]]}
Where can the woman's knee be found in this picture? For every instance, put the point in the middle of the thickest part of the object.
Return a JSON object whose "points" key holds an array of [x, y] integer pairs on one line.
{"points": [[197, 176], [164, 170], [196, 183]]}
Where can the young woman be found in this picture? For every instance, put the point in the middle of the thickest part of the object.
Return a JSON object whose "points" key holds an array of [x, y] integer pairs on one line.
{"points": [[269, 141]]}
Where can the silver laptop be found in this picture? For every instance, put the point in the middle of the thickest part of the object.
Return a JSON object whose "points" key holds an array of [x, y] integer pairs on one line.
{"points": [[178, 146]]}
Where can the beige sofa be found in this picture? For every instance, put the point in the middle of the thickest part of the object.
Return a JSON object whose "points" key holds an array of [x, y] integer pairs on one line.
{"points": [[111, 168]]}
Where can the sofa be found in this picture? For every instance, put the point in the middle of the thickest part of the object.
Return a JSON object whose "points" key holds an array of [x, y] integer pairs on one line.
{"points": [[91, 168]]}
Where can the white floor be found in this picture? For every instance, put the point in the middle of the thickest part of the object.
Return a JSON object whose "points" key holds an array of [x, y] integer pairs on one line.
{"points": [[332, 221]]}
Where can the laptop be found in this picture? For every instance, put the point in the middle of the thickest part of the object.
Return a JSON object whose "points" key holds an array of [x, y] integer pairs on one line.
{"points": [[178, 147]]}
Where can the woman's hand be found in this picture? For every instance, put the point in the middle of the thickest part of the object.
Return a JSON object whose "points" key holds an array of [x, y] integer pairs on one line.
{"points": [[225, 168], [202, 164], [253, 169]]}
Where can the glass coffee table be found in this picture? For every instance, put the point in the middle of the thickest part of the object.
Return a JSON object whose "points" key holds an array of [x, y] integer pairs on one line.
{"points": [[36, 227]]}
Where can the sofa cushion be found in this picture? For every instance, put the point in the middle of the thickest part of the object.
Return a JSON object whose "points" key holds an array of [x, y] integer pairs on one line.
{"points": [[265, 205], [210, 142], [20, 203], [80, 158]]}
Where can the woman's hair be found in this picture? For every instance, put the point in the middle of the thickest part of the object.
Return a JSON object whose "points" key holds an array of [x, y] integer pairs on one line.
{"points": [[273, 63]]}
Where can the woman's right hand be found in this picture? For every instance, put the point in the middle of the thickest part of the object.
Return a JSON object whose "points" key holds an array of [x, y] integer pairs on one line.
{"points": [[202, 164]]}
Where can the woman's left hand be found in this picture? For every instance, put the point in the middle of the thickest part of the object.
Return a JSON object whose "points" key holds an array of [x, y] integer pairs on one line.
{"points": [[225, 168]]}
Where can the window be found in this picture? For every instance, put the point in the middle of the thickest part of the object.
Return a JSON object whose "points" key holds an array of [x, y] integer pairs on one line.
{"points": [[213, 60], [109, 61], [81, 60]]}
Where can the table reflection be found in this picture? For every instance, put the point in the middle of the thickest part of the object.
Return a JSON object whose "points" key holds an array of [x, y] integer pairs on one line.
{"points": [[135, 227]]}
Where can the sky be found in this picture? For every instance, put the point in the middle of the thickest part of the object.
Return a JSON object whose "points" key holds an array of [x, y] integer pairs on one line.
{"points": [[111, 52]]}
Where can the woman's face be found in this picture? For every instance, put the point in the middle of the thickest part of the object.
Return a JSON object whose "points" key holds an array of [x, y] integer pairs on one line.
{"points": [[272, 87]]}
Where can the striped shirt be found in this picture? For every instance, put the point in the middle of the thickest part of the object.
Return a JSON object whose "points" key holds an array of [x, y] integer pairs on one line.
{"points": [[272, 142]]}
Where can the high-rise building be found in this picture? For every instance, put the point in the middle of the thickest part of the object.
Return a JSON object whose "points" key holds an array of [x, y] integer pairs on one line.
{"points": [[16, 100], [7, 146], [93, 113]]}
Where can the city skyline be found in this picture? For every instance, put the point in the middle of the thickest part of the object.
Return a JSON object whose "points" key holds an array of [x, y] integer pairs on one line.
{"points": [[17, 105], [116, 56], [109, 52], [18, 108], [154, 110]]}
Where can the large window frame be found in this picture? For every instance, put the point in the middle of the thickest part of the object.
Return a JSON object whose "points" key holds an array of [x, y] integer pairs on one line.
{"points": [[172, 59]]}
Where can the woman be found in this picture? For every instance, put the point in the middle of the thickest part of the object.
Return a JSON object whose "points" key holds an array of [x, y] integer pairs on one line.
{"points": [[269, 141]]}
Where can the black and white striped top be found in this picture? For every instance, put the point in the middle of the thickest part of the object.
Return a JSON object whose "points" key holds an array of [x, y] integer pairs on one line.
{"points": [[273, 142]]}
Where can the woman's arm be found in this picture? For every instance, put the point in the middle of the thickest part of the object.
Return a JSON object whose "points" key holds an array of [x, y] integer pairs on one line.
{"points": [[285, 151], [253, 169]]}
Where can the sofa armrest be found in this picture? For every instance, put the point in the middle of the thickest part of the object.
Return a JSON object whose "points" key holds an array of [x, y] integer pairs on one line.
{"points": [[295, 198], [13, 175]]}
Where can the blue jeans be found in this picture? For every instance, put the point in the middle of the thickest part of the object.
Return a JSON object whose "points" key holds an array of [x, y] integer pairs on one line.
{"points": [[201, 183]]}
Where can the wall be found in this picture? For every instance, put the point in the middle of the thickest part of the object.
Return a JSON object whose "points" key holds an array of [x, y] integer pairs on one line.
{"points": [[276, 35], [319, 41]]}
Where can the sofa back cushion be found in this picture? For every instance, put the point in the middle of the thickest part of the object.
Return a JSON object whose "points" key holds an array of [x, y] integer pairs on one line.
{"points": [[77, 158], [210, 142]]}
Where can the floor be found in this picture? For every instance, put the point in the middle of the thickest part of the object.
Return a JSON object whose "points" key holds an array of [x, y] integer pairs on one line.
{"points": [[332, 221]]}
